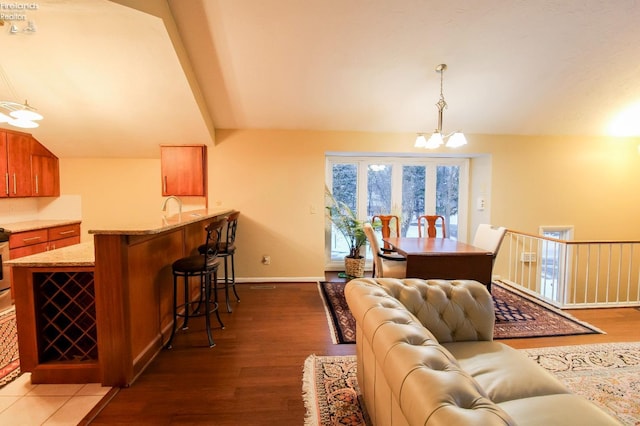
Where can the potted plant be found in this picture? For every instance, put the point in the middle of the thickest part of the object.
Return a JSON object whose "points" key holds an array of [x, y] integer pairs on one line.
{"points": [[346, 221]]}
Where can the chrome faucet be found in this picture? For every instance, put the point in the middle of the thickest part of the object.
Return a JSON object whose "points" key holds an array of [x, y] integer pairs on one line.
{"points": [[172, 197]]}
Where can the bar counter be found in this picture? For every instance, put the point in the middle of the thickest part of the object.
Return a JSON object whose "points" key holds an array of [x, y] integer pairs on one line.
{"points": [[101, 311]]}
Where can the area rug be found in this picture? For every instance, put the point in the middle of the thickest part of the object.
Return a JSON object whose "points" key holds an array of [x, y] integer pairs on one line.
{"points": [[330, 392], [518, 315], [607, 374], [9, 362]]}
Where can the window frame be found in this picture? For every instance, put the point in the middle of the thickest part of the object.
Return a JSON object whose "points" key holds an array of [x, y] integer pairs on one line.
{"points": [[363, 161]]}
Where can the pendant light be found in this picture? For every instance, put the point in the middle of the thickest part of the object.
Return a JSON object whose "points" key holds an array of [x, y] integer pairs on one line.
{"points": [[437, 138]]}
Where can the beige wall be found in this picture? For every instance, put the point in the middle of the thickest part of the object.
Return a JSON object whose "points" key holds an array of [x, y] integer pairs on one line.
{"points": [[276, 179]]}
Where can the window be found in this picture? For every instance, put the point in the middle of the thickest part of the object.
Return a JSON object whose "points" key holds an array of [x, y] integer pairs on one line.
{"points": [[553, 259], [406, 187]]}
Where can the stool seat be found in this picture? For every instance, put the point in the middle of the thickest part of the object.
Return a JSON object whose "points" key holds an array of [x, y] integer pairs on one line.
{"points": [[195, 264]]}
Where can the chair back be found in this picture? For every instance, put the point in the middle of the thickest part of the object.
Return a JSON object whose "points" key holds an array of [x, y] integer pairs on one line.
{"points": [[375, 248], [489, 237], [232, 226], [431, 222], [214, 234], [386, 220]]}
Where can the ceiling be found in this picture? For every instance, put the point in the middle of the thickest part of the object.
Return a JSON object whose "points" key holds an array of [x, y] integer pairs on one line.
{"points": [[118, 78]]}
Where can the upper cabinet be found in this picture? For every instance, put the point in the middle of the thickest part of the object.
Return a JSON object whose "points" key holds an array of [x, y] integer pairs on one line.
{"points": [[184, 170], [45, 172], [28, 169]]}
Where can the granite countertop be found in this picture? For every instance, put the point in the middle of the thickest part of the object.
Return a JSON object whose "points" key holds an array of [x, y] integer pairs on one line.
{"points": [[32, 225], [75, 255], [161, 223]]}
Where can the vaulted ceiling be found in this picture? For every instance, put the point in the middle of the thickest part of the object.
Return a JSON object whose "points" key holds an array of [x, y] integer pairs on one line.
{"points": [[118, 78]]}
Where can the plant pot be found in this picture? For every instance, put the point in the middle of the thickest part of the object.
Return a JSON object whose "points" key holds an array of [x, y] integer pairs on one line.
{"points": [[354, 267]]}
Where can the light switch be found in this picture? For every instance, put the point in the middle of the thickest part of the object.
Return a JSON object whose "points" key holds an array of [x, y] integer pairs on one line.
{"points": [[481, 203]]}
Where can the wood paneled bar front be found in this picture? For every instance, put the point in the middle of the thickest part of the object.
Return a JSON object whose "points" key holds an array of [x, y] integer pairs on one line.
{"points": [[131, 286]]}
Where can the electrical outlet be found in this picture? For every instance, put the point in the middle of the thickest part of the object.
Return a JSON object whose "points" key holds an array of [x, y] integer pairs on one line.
{"points": [[529, 257], [266, 259]]}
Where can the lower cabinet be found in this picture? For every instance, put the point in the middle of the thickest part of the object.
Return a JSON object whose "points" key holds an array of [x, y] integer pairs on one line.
{"points": [[39, 240]]}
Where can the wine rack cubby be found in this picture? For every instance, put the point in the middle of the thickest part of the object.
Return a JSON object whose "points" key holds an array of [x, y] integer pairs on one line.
{"points": [[66, 319]]}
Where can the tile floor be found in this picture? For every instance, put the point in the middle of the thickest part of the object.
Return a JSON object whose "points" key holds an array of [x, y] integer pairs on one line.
{"points": [[22, 403]]}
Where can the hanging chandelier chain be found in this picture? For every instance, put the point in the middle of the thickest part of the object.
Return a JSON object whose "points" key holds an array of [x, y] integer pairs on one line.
{"points": [[441, 104]]}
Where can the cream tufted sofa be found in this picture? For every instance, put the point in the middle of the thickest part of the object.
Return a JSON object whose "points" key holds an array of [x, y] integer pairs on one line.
{"points": [[426, 356]]}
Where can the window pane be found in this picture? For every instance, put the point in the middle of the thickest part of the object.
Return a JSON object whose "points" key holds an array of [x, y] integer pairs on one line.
{"points": [[378, 189], [447, 187], [413, 192], [344, 189]]}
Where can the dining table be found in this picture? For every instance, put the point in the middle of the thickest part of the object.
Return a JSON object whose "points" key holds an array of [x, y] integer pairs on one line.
{"points": [[444, 258]]}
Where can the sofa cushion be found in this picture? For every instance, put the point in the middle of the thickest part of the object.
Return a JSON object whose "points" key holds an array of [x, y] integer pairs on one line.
{"points": [[453, 310], [557, 410], [503, 372], [432, 389]]}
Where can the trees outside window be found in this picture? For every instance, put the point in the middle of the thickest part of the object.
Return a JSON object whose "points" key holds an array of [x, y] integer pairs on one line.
{"points": [[406, 187]]}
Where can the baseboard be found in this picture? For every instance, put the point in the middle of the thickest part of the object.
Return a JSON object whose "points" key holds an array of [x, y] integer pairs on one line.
{"points": [[279, 279]]}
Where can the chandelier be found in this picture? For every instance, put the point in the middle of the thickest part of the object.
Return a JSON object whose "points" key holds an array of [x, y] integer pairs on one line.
{"points": [[16, 114], [437, 138], [20, 115]]}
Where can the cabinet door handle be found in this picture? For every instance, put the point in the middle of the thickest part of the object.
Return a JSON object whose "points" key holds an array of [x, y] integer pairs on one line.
{"points": [[26, 240], [67, 232], [164, 184], [37, 184]]}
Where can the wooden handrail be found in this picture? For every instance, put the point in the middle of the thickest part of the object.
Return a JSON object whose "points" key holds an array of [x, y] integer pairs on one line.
{"points": [[572, 242]]}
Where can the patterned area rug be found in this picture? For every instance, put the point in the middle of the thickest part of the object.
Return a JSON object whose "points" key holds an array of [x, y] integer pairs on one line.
{"points": [[9, 362], [518, 315], [607, 374], [331, 393]]}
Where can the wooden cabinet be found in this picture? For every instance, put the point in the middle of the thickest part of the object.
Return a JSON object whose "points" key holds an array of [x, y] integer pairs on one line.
{"points": [[27, 167], [18, 160], [39, 240], [45, 171], [4, 167], [63, 236], [28, 242], [184, 170]]}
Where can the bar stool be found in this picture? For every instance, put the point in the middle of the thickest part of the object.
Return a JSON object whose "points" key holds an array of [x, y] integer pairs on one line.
{"points": [[205, 266], [226, 251]]}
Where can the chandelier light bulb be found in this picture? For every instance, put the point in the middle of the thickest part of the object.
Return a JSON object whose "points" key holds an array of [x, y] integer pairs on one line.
{"points": [[24, 124], [435, 140], [456, 140]]}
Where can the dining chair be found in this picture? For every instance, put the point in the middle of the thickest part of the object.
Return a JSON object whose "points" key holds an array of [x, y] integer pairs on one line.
{"points": [[386, 221], [489, 237], [384, 265], [431, 223]]}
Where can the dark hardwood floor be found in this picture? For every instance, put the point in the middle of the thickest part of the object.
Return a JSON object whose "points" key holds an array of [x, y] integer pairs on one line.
{"points": [[254, 374]]}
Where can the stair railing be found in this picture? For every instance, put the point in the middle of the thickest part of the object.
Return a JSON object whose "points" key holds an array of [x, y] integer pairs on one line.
{"points": [[569, 273]]}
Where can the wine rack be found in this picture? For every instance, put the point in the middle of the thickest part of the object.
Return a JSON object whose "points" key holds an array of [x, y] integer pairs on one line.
{"points": [[66, 316]]}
